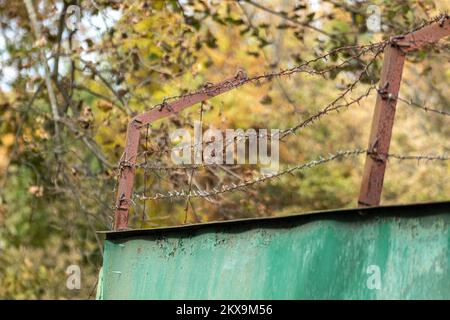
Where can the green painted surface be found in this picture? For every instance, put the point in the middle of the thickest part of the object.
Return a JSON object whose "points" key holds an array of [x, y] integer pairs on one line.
{"points": [[324, 256]]}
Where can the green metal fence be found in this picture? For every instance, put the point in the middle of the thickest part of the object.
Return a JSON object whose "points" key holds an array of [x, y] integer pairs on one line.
{"points": [[374, 253]]}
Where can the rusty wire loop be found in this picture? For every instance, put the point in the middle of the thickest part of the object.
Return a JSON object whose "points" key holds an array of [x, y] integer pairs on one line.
{"points": [[308, 165]]}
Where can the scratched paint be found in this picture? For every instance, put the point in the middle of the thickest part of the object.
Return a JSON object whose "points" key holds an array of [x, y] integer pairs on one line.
{"points": [[319, 256]]}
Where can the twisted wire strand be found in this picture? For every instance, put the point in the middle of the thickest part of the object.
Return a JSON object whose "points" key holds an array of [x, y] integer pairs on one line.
{"points": [[308, 165]]}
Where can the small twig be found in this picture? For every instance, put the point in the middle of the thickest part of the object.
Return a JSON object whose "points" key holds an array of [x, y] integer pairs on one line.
{"points": [[48, 82]]}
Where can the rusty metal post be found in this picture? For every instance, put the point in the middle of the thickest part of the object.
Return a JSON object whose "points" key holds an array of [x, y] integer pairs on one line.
{"points": [[126, 176], [384, 113], [127, 165], [382, 123]]}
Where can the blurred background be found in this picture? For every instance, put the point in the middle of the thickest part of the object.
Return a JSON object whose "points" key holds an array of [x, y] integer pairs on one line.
{"points": [[109, 60]]}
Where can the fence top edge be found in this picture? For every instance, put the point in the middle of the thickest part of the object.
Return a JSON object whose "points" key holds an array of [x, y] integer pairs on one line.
{"points": [[349, 213]]}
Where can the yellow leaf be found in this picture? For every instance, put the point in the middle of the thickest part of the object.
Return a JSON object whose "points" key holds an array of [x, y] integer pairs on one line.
{"points": [[8, 139], [104, 105]]}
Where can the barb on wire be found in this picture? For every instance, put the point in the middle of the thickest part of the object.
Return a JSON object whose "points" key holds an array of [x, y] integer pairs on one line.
{"points": [[160, 167], [328, 109], [425, 157], [418, 105]]}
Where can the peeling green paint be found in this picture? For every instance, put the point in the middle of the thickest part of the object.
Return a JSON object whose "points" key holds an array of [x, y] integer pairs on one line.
{"points": [[319, 256]]}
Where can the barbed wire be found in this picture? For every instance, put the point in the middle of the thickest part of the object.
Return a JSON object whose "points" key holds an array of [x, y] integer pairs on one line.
{"points": [[441, 17], [210, 89], [327, 109], [157, 167], [330, 108], [377, 47], [246, 135], [232, 187], [302, 68], [419, 158], [282, 134], [308, 165], [420, 106]]}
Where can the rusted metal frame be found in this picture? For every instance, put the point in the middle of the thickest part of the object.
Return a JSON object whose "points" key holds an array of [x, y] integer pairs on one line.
{"points": [[384, 113], [127, 165], [379, 138]]}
